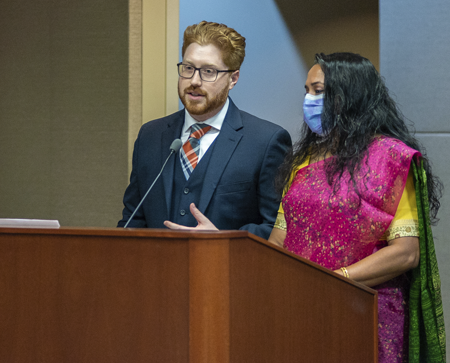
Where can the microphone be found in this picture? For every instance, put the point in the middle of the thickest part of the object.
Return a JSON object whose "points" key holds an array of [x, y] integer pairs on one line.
{"points": [[174, 148]]}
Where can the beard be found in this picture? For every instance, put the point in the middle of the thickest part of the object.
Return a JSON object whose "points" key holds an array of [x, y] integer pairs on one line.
{"points": [[202, 108]]}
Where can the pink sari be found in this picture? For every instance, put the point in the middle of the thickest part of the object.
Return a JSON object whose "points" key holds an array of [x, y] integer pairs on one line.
{"points": [[336, 230]]}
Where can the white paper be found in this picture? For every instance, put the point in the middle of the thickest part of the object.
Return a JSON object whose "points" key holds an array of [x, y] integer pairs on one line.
{"points": [[29, 223]]}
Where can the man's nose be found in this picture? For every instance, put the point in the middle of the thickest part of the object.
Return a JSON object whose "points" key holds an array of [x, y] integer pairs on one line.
{"points": [[196, 79]]}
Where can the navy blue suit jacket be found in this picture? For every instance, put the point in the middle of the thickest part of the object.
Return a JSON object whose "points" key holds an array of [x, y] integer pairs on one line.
{"points": [[238, 186]]}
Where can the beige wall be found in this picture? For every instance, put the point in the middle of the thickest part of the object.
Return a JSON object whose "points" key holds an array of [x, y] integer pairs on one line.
{"points": [[71, 104], [153, 49], [159, 53], [357, 34], [328, 26]]}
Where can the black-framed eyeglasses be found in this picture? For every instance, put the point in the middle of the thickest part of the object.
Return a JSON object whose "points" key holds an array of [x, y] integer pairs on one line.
{"points": [[207, 74]]}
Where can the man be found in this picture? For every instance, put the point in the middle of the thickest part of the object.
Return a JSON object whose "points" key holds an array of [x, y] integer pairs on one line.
{"points": [[229, 158]]}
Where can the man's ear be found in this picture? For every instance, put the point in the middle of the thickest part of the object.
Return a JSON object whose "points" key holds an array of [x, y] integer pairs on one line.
{"points": [[234, 79]]}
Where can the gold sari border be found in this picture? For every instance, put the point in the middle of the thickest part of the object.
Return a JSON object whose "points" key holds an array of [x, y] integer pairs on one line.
{"points": [[280, 223], [402, 228]]}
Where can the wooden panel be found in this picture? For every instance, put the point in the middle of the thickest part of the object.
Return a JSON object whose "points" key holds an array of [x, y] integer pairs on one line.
{"points": [[209, 301], [292, 308], [69, 298]]}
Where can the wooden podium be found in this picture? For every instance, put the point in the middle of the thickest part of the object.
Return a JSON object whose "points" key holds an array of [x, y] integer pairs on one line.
{"points": [[140, 295]]}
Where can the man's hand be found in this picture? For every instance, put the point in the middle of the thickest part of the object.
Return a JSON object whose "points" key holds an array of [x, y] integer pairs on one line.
{"points": [[204, 224]]}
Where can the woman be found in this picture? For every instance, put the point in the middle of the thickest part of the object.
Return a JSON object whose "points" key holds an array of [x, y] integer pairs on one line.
{"points": [[355, 201]]}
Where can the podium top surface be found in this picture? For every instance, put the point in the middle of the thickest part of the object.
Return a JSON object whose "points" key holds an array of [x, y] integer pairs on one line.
{"points": [[136, 232]]}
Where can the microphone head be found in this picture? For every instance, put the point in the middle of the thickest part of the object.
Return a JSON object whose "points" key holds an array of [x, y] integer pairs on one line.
{"points": [[176, 145]]}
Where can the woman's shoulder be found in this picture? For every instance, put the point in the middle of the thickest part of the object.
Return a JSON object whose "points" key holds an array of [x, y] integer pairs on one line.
{"points": [[391, 145]]}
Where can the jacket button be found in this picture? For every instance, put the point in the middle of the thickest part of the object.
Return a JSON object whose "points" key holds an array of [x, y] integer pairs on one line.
{"points": [[182, 212], [186, 190]]}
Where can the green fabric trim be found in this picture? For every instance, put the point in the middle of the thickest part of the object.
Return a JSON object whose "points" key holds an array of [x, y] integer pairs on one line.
{"points": [[427, 330]]}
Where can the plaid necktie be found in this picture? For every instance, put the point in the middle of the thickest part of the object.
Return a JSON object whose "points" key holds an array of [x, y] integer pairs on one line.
{"points": [[191, 148]]}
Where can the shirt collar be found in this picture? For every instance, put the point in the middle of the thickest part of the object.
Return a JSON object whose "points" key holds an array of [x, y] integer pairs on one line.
{"points": [[216, 121]]}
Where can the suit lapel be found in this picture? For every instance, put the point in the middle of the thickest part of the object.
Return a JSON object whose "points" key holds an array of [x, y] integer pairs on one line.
{"points": [[224, 147], [172, 132]]}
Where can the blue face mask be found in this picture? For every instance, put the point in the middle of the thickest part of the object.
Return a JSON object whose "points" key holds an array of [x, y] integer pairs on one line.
{"points": [[312, 109]]}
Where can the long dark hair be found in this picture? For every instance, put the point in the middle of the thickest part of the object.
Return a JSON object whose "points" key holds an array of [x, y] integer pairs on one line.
{"points": [[357, 107]]}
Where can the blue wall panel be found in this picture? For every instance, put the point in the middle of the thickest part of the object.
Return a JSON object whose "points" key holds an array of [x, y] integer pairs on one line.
{"points": [[414, 59]]}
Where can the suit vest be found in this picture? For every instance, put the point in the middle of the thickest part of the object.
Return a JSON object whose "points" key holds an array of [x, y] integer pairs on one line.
{"points": [[185, 192]]}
